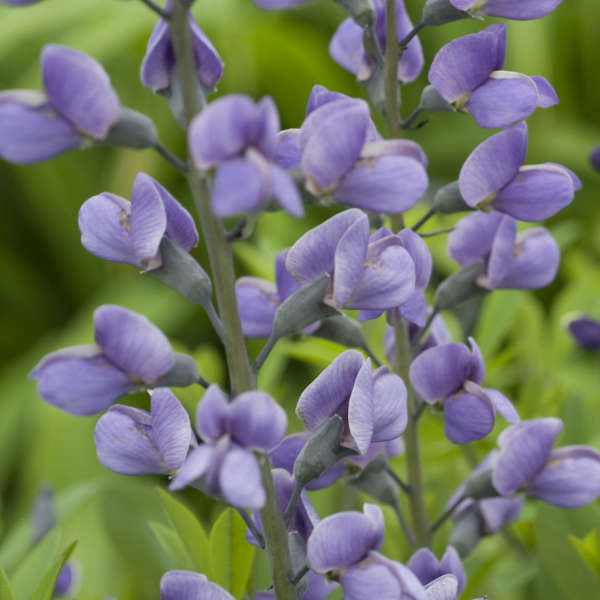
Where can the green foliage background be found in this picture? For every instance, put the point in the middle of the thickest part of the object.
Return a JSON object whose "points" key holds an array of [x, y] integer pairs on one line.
{"points": [[50, 286]]}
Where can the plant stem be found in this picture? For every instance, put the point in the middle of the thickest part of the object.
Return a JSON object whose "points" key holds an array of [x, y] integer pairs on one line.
{"points": [[410, 538], [174, 160], [437, 232], [447, 513], [393, 53], [157, 9], [221, 263], [430, 213]]}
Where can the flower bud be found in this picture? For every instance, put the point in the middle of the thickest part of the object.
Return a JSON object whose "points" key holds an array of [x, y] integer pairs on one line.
{"points": [[479, 486], [183, 373], [343, 330], [459, 287], [132, 130], [432, 101], [448, 200], [467, 531], [362, 11], [440, 12], [375, 481]]}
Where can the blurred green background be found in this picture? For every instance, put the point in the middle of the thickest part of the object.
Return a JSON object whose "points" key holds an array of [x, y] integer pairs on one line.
{"points": [[50, 287]]}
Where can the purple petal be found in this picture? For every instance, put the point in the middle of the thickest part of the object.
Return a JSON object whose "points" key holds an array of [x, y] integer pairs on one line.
{"points": [[524, 10], [132, 343], [390, 413], [284, 190], [370, 581], [320, 95], [420, 254], [424, 565], [80, 380], [405, 148], [410, 586], [330, 389], [467, 418], [347, 50], [212, 414], [493, 164], [525, 449], [411, 63], [194, 467], [286, 284], [500, 403], [284, 454], [361, 408], [187, 585], [240, 481], [546, 95], [257, 301], [278, 4], [158, 63], [473, 237], [268, 127], [499, 512], [586, 332], [443, 588], [503, 252], [287, 154], [467, 62], [477, 366], [79, 89], [238, 188], [451, 563]]}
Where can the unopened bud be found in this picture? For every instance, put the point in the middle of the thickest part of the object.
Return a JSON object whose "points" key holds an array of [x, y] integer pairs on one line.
{"points": [[468, 530], [479, 485], [432, 102], [375, 481], [459, 287], [132, 130], [182, 374], [362, 11], [342, 330], [440, 12], [448, 200]]}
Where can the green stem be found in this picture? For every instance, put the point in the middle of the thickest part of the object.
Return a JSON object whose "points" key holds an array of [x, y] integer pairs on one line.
{"points": [[221, 263]]}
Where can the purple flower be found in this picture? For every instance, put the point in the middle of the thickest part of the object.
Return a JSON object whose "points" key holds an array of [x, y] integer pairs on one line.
{"points": [[66, 581], [468, 74], [225, 464], [427, 567], [586, 332], [343, 156], [568, 477], [239, 138], [130, 353], [372, 403], [347, 48], [278, 4], [317, 588], [521, 10], [187, 585], [132, 441], [115, 229], [494, 176], [78, 105], [595, 158], [20, 2], [367, 273], [157, 70], [525, 261], [450, 374]]}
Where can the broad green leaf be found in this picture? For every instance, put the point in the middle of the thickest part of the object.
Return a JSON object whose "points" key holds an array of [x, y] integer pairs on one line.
{"points": [[173, 545], [189, 530], [589, 549], [230, 554], [5, 591], [46, 586]]}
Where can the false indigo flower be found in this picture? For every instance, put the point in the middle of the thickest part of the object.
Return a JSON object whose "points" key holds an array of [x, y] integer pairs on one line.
{"points": [[494, 176], [157, 70], [225, 464], [595, 158], [522, 10], [317, 588], [468, 74], [347, 48], [78, 105], [115, 229], [451, 374], [130, 353], [372, 403], [568, 477], [278, 4], [132, 441], [239, 138], [367, 273], [586, 332], [524, 261], [427, 567], [187, 585]]}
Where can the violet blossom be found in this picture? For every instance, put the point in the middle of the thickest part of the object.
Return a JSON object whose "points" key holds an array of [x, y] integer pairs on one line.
{"points": [[239, 138], [520, 10], [188, 585], [78, 106], [372, 403], [586, 332], [278, 4], [428, 568], [130, 353], [494, 177], [595, 158], [526, 260], [468, 74], [450, 374], [317, 588], [224, 466], [117, 230]]}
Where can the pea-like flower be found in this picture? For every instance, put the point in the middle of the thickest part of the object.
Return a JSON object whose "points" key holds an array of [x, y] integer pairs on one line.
{"points": [[224, 466], [367, 273], [188, 585], [347, 47], [372, 403], [586, 332], [595, 158], [468, 74], [525, 261], [494, 176], [130, 354], [78, 106], [523, 10], [157, 70], [424, 564], [239, 138], [568, 477], [450, 374], [120, 231], [132, 441]]}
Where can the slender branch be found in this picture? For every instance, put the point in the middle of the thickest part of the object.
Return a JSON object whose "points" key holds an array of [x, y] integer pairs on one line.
{"points": [[235, 233], [398, 480], [202, 382], [291, 506], [438, 232], [252, 527], [411, 118], [425, 329], [403, 43], [410, 536], [393, 53], [446, 514], [264, 353], [176, 162], [300, 574], [430, 213], [157, 9]]}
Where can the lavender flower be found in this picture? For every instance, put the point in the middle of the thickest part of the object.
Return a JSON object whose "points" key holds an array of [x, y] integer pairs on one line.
{"points": [[523, 10], [372, 403], [225, 464], [239, 138], [317, 588], [568, 477], [586, 332], [525, 260], [157, 70], [595, 158], [468, 74], [131, 353], [115, 229], [20, 2], [450, 374], [494, 177], [132, 441], [347, 48], [66, 581], [78, 106], [367, 273], [278, 4], [187, 585], [427, 567]]}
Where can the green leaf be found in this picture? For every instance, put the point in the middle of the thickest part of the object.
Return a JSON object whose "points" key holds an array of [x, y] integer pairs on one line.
{"points": [[589, 549], [46, 586], [173, 546], [230, 554], [5, 591], [189, 530]]}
